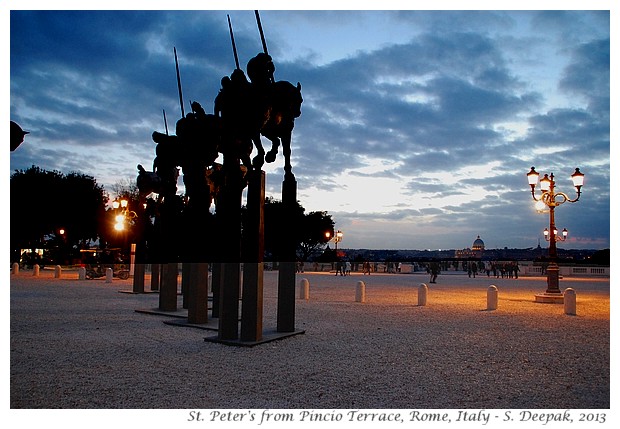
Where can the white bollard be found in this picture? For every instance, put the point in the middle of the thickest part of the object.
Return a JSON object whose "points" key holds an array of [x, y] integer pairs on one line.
{"points": [[422, 294], [108, 275], [304, 289], [57, 272], [360, 292], [570, 302], [492, 298], [82, 273], [35, 270], [15, 268]]}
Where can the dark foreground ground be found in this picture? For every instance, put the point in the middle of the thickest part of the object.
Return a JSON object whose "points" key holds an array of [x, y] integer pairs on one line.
{"points": [[80, 344]]}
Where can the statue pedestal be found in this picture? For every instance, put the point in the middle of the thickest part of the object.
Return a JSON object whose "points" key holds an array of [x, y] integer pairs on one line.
{"points": [[155, 272], [254, 250], [252, 332], [197, 290], [286, 273], [229, 214], [138, 278], [168, 287]]}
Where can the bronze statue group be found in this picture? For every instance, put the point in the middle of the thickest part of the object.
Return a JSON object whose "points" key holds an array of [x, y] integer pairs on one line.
{"points": [[246, 108]]}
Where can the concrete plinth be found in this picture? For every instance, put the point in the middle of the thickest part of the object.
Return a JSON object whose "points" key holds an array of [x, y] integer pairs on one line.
{"points": [[266, 337], [549, 298], [286, 272]]}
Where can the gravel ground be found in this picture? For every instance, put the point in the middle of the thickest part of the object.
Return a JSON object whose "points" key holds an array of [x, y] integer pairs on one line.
{"points": [[80, 344]]}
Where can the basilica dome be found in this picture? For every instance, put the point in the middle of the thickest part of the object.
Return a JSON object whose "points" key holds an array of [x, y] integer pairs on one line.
{"points": [[478, 244]]}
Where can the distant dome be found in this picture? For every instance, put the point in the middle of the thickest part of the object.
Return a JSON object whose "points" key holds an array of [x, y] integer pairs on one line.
{"points": [[478, 244]]}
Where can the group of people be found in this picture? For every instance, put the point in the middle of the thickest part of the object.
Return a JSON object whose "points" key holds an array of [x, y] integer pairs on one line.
{"points": [[343, 268], [504, 270]]}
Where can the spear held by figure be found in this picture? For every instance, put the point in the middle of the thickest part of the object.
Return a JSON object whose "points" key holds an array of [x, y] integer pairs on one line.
{"points": [[260, 29], [176, 61], [262, 38], [165, 121], [232, 38]]}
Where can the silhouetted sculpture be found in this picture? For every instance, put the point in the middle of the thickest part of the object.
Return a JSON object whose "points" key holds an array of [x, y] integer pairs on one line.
{"points": [[249, 109], [244, 109], [243, 115], [17, 135], [286, 102], [148, 182], [166, 161], [261, 70], [199, 137]]}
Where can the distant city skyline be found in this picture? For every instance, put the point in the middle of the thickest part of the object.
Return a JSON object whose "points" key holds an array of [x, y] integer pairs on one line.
{"points": [[417, 128]]}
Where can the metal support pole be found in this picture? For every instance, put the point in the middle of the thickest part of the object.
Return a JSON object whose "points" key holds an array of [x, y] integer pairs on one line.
{"points": [[198, 303], [254, 249], [286, 273], [553, 270], [230, 216]]}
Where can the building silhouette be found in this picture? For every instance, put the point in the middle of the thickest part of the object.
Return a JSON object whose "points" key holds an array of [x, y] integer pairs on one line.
{"points": [[474, 252]]}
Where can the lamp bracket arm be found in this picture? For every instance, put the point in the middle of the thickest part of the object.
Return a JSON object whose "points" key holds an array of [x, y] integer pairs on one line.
{"points": [[565, 198]]}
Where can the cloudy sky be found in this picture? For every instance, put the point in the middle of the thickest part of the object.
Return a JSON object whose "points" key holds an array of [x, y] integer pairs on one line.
{"points": [[417, 128]]}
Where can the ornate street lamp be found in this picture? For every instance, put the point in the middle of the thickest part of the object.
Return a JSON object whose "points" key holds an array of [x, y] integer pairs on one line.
{"points": [[124, 214], [338, 239], [550, 199]]}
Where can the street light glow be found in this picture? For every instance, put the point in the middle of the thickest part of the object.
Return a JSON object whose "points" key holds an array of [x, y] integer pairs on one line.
{"points": [[550, 198]]}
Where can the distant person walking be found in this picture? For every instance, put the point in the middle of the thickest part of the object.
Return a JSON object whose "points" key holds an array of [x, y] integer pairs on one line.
{"points": [[516, 267], [472, 269], [434, 271], [339, 269], [366, 269]]}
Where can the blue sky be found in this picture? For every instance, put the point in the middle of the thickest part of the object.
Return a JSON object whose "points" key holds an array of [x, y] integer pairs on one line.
{"points": [[417, 127]]}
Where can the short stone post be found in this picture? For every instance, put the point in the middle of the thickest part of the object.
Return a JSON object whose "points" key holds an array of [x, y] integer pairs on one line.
{"points": [[492, 298], [82, 273], [422, 294], [304, 289], [15, 268], [360, 292], [108, 275], [57, 272], [570, 302], [35, 270]]}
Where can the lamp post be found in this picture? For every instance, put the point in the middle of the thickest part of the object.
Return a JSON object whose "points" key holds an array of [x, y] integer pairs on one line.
{"points": [[338, 239], [125, 214], [122, 216], [551, 199]]}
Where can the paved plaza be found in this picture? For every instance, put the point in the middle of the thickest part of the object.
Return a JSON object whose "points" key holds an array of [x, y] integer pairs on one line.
{"points": [[82, 344]]}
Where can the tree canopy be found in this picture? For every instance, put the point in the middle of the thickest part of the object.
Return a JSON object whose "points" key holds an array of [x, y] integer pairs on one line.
{"points": [[50, 208], [308, 230], [64, 213]]}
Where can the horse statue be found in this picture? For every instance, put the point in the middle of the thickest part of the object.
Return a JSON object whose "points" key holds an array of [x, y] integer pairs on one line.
{"points": [[199, 139], [194, 148], [258, 107], [150, 182], [286, 103], [243, 112]]}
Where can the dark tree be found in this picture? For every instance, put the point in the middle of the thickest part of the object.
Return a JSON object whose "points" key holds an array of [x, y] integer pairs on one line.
{"points": [[51, 210], [312, 236], [307, 229]]}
